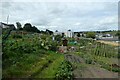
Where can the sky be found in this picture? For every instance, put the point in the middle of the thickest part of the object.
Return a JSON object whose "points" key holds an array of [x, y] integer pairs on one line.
{"points": [[75, 15]]}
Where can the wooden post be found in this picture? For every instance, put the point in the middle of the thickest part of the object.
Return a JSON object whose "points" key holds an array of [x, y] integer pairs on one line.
{"points": [[111, 67]]}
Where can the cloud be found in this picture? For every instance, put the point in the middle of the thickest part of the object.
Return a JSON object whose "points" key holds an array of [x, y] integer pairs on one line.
{"points": [[77, 24], [62, 16], [109, 20], [60, 0]]}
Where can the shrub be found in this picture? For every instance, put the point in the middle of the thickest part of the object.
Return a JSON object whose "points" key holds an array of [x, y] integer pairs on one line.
{"points": [[88, 58], [17, 36], [90, 35], [65, 71], [116, 69], [53, 46]]}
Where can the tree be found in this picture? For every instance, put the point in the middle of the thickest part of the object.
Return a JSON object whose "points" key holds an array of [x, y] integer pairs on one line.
{"points": [[43, 32], [56, 31], [63, 34], [34, 29], [78, 34], [58, 38], [90, 35], [49, 32], [28, 27], [118, 33], [19, 26]]}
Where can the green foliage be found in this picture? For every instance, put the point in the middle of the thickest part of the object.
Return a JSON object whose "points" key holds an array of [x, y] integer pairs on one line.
{"points": [[53, 46], [63, 34], [98, 53], [48, 43], [53, 67], [49, 32], [109, 67], [58, 38], [29, 55], [118, 54], [98, 49], [17, 36], [19, 26], [90, 35], [88, 58], [78, 34], [118, 34], [28, 27], [44, 37], [5, 34], [65, 71], [116, 69]]}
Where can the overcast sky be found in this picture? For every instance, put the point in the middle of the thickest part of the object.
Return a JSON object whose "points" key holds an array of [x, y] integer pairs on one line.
{"points": [[61, 16]]}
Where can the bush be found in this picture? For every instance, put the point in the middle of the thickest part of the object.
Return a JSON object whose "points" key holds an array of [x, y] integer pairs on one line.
{"points": [[88, 58], [116, 69], [17, 36], [53, 46], [108, 67], [90, 35], [65, 71]]}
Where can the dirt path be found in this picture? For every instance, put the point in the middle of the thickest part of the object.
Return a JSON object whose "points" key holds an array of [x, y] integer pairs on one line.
{"points": [[91, 71], [73, 58], [96, 72]]}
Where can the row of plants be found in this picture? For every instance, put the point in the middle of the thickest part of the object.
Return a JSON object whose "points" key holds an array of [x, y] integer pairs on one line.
{"points": [[105, 50], [102, 61], [98, 49], [98, 53], [65, 71]]}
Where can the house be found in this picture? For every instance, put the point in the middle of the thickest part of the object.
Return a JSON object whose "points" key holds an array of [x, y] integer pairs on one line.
{"points": [[7, 26], [69, 33], [57, 33]]}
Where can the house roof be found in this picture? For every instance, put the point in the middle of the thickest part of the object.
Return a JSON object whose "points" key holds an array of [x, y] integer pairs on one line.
{"points": [[9, 25]]}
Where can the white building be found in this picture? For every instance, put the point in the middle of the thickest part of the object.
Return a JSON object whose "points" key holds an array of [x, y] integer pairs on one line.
{"points": [[57, 33], [69, 33]]}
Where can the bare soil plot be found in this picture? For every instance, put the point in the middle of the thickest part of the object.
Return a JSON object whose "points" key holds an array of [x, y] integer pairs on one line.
{"points": [[90, 71], [73, 58], [96, 72]]}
